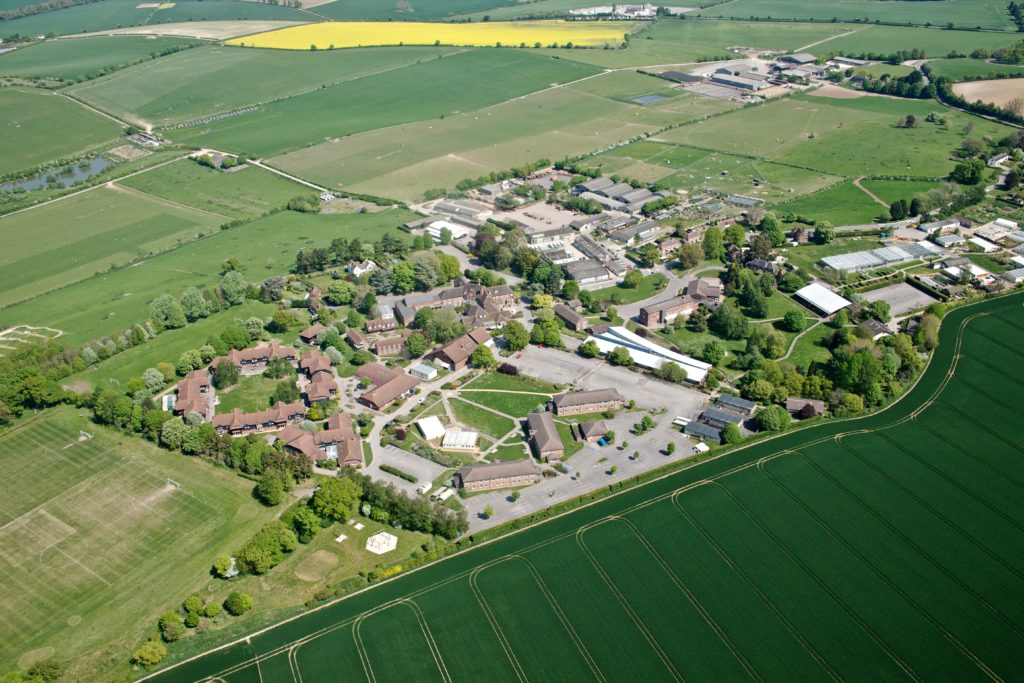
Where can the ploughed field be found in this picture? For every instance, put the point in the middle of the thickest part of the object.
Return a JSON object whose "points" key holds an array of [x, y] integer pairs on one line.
{"points": [[881, 548]]}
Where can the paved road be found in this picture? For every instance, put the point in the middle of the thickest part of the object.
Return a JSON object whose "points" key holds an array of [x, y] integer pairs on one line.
{"points": [[676, 282]]}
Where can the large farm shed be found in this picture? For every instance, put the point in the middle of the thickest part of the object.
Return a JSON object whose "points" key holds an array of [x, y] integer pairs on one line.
{"points": [[821, 298]]}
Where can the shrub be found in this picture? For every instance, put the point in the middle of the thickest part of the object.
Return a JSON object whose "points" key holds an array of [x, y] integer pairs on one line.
{"points": [[150, 653], [211, 610], [238, 603]]}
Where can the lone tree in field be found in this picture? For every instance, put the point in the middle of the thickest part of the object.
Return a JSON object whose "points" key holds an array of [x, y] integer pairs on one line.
{"points": [[150, 653]]}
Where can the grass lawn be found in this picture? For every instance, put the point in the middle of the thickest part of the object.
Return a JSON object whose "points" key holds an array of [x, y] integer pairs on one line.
{"points": [[28, 119], [509, 452], [811, 347], [75, 58], [779, 304], [198, 82], [246, 193], [483, 421], [778, 538], [105, 508], [883, 69], [427, 90], [251, 394], [986, 262], [497, 380], [517, 405], [110, 302], [891, 190], [168, 346], [807, 255], [87, 234], [571, 445], [648, 287]]}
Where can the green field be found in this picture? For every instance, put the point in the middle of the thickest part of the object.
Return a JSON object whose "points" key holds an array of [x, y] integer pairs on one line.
{"points": [[242, 193], [935, 42], [403, 161], [168, 346], [482, 420], [75, 58], [250, 395], [421, 10], [843, 204], [966, 13], [29, 119], [970, 69], [199, 82], [101, 16], [699, 170], [89, 233], [112, 301], [889, 554], [516, 405], [91, 548], [827, 134], [648, 287], [674, 41], [432, 89], [498, 381], [891, 190]]}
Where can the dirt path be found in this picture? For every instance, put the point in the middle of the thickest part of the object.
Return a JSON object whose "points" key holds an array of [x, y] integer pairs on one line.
{"points": [[825, 40], [869, 193]]}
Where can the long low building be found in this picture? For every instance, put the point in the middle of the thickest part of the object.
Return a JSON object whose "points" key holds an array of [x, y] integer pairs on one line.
{"points": [[579, 402], [821, 298], [499, 475], [647, 354], [237, 423]]}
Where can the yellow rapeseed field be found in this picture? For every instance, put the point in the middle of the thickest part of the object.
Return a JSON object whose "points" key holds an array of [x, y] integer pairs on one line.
{"points": [[339, 34]]}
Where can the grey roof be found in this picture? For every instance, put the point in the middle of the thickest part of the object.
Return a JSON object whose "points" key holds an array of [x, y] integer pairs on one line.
{"points": [[703, 431], [616, 189], [794, 405], [569, 315], [799, 58], [736, 403], [591, 429], [543, 431], [585, 269], [596, 184], [949, 240], [723, 416], [638, 195], [1014, 275], [498, 470], [591, 248], [579, 398]]}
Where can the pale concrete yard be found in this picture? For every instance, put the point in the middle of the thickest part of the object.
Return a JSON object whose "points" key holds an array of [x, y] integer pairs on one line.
{"points": [[902, 298]]}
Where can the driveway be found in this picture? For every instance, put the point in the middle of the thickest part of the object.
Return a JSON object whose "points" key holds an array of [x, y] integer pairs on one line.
{"points": [[421, 468]]}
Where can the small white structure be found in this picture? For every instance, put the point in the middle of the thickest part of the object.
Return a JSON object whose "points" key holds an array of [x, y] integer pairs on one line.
{"points": [[424, 488], [821, 298], [442, 494], [358, 268], [458, 440], [381, 542], [431, 428], [423, 371], [457, 231]]}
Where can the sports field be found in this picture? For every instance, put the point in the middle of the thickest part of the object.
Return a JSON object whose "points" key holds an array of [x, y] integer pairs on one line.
{"points": [[91, 548], [881, 548], [112, 301], [28, 119], [189, 85], [965, 13], [89, 233], [340, 34], [432, 89], [83, 57]]}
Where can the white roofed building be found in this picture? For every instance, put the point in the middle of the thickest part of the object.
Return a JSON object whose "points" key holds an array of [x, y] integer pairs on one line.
{"points": [[821, 298], [649, 355], [431, 428]]}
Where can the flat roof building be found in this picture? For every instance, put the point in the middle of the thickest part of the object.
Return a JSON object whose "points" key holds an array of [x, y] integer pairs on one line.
{"points": [[821, 298]]}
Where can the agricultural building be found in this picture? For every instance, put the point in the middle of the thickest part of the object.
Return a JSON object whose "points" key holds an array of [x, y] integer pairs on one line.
{"points": [[573, 320], [866, 260], [578, 402], [499, 475], [735, 404], [586, 271], [647, 354], [544, 439], [459, 440], [423, 371], [431, 428], [821, 298], [703, 432], [720, 418], [986, 246], [799, 58]]}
